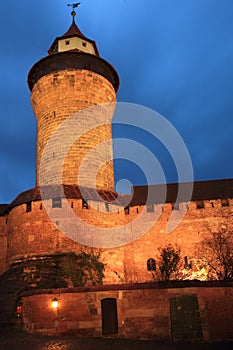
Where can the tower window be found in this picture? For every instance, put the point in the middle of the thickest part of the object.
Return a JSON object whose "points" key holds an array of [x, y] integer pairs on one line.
{"points": [[67, 42], [151, 264], [199, 204], [84, 204], [56, 202], [84, 44], [28, 207], [150, 208], [225, 202]]}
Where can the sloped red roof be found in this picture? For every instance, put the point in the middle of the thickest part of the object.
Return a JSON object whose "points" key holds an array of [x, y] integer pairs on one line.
{"points": [[69, 192], [3, 209], [202, 190]]}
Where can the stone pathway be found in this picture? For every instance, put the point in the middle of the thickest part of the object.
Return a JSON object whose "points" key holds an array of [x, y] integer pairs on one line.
{"points": [[15, 340]]}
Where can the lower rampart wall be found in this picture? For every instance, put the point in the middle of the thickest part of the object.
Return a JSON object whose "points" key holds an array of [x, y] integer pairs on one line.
{"points": [[143, 311]]}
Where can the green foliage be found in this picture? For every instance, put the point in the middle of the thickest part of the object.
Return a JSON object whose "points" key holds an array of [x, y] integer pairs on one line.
{"points": [[56, 271], [169, 262], [83, 268], [45, 272]]}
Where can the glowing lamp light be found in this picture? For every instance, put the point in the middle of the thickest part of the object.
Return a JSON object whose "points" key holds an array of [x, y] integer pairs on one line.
{"points": [[55, 303]]}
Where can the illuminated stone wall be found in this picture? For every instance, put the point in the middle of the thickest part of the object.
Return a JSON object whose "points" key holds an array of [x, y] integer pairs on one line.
{"points": [[3, 243], [147, 311], [55, 98], [34, 233]]}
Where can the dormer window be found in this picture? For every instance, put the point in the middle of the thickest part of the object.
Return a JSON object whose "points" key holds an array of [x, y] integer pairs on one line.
{"points": [[73, 40]]}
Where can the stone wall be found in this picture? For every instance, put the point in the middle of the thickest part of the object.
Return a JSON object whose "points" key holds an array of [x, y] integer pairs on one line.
{"points": [[147, 311], [55, 98], [31, 233], [3, 243]]}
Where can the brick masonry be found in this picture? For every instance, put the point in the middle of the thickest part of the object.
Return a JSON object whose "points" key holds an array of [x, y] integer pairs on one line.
{"points": [[31, 233], [55, 98], [143, 312]]}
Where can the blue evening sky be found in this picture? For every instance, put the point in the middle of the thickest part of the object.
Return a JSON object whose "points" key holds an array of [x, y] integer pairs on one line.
{"points": [[173, 56]]}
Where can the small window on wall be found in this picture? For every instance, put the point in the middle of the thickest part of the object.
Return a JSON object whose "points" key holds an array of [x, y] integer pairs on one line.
{"points": [[199, 204], [107, 206], [151, 264], [126, 210], [187, 263], [28, 207], [67, 42], [56, 202], [84, 44], [175, 206], [84, 204], [150, 208], [225, 202]]}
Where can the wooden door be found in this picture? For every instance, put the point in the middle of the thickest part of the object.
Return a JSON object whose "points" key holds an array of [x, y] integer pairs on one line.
{"points": [[109, 316]]}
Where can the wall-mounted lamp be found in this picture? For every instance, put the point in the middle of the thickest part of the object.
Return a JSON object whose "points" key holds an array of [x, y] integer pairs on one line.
{"points": [[55, 304]]}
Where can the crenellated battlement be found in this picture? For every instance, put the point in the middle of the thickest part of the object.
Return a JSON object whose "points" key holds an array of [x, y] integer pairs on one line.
{"points": [[30, 226]]}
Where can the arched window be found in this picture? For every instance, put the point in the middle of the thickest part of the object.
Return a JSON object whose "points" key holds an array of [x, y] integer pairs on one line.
{"points": [[151, 264]]}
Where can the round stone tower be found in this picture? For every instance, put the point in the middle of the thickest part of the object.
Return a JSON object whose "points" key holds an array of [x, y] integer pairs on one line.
{"points": [[71, 78]]}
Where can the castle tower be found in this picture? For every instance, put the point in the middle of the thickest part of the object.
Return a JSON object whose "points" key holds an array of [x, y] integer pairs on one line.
{"points": [[71, 78]]}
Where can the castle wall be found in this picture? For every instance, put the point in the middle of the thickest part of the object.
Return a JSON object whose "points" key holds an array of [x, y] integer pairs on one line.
{"points": [[3, 243], [175, 312], [33, 233], [55, 98]]}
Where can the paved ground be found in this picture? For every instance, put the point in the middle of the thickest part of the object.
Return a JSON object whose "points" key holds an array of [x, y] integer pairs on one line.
{"points": [[15, 340]]}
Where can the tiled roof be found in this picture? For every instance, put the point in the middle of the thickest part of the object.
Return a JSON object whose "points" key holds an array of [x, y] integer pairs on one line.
{"points": [[69, 192], [202, 190], [3, 209]]}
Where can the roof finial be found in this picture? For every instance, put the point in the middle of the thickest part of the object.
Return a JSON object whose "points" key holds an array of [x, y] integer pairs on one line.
{"points": [[73, 13]]}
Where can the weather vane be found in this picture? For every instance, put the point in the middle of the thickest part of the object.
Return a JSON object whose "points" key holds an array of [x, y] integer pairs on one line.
{"points": [[73, 13]]}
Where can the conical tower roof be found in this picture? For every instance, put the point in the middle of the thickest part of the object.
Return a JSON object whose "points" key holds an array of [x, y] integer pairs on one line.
{"points": [[74, 30]]}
